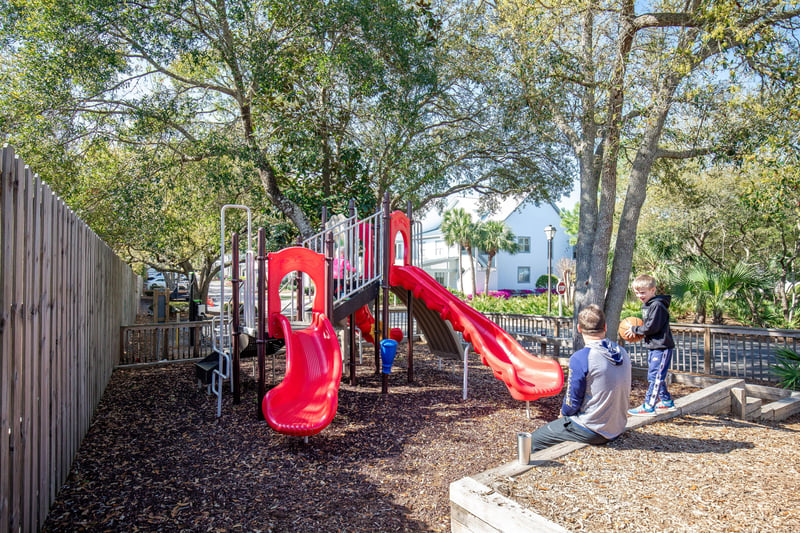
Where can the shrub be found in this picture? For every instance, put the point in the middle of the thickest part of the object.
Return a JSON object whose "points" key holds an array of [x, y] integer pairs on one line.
{"points": [[787, 368], [521, 305], [500, 294], [541, 283]]}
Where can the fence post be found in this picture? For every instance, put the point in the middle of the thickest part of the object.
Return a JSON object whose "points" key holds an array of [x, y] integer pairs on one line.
{"points": [[556, 334], [707, 350]]}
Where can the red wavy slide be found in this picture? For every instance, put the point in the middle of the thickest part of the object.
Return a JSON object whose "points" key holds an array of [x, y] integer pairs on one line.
{"points": [[305, 402], [527, 377]]}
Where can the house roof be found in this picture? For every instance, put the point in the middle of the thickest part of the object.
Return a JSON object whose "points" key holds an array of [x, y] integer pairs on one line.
{"points": [[471, 204]]}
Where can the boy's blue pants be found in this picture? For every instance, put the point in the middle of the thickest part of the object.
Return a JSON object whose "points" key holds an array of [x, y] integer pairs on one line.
{"points": [[658, 362]]}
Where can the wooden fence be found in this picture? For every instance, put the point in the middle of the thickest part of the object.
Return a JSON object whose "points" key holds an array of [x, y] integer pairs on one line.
{"points": [[724, 351], [64, 297], [166, 341]]}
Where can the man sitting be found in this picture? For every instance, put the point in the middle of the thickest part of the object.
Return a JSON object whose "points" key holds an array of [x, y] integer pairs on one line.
{"points": [[595, 405]]}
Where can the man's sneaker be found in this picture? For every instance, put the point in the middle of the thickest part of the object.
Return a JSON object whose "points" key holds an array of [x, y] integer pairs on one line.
{"points": [[665, 406], [642, 410]]}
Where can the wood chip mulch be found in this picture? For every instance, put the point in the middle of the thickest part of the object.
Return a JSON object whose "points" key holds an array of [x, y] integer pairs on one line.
{"points": [[156, 458], [695, 473]]}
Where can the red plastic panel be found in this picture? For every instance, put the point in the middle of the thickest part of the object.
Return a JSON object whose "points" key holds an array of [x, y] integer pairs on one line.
{"points": [[400, 224], [291, 260]]}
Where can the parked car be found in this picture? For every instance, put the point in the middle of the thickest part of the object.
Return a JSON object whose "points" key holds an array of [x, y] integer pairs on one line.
{"points": [[155, 280]]}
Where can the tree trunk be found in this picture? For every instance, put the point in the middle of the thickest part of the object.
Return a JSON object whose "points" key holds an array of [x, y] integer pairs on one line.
{"points": [[629, 220], [460, 269], [286, 206], [472, 271], [488, 273], [590, 178]]}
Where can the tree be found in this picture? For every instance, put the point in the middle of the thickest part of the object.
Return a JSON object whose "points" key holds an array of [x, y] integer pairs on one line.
{"points": [[632, 83], [314, 102], [772, 197], [713, 289], [458, 228], [494, 236], [281, 89]]}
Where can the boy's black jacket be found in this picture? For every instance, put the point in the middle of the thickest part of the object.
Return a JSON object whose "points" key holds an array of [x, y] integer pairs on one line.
{"points": [[655, 315]]}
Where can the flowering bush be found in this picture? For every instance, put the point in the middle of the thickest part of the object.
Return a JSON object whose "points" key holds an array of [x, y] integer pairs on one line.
{"points": [[500, 294]]}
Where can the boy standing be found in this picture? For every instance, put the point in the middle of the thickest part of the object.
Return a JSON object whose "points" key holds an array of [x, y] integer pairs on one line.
{"points": [[598, 389], [658, 341]]}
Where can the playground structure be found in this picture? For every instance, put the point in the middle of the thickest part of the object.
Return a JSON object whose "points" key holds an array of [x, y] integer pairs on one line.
{"points": [[333, 277]]}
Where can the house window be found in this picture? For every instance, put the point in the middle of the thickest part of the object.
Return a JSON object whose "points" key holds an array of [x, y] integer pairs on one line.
{"points": [[523, 274], [440, 248], [524, 244], [440, 277]]}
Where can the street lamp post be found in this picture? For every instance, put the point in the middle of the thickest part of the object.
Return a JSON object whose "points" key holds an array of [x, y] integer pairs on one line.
{"points": [[549, 232]]}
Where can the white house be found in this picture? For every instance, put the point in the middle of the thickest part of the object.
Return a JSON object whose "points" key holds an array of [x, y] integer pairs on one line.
{"points": [[509, 271]]}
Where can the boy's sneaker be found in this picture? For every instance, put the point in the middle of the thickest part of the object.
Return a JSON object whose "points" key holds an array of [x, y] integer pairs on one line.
{"points": [[642, 410], [665, 406]]}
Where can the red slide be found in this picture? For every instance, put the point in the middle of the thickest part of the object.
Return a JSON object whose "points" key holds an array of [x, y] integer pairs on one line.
{"points": [[305, 402], [366, 324], [527, 377]]}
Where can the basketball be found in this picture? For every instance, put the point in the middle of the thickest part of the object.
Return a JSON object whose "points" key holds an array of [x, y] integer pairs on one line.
{"points": [[625, 323]]}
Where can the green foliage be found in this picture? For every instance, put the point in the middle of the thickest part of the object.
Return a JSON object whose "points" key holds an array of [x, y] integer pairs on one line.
{"points": [[541, 281], [787, 368], [527, 305], [458, 228], [631, 308], [570, 221], [492, 237], [713, 290]]}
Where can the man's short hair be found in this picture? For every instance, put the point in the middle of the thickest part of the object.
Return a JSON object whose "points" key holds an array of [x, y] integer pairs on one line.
{"points": [[644, 281], [592, 320]]}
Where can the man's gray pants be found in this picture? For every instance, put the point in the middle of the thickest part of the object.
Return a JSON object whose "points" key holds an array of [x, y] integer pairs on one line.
{"points": [[560, 430]]}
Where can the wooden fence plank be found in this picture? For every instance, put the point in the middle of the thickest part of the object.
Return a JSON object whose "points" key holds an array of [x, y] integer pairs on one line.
{"points": [[58, 392], [18, 349], [33, 273], [7, 198], [45, 318], [71, 345]]}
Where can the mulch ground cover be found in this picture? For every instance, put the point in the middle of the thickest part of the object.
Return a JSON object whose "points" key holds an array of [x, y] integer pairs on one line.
{"points": [[156, 458]]}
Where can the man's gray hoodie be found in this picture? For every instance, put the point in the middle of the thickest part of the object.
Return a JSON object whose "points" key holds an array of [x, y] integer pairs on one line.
{"points": [[598, 388]]}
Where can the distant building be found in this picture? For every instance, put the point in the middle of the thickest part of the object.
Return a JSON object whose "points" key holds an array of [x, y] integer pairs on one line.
{"points": [[509, 271]]}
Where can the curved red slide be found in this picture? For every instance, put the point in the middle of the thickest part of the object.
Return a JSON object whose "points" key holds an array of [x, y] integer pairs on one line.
{"points": [[305, 402], [527, 377], [366, 323]]}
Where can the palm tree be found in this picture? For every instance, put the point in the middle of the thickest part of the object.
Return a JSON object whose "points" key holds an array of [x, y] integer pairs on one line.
{"points": [[493, 237], [458, 228], [714, 289]]}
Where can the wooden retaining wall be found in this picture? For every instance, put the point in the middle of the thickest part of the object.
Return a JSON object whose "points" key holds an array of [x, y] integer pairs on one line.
{"points": [[477, 508], [64, 296]]}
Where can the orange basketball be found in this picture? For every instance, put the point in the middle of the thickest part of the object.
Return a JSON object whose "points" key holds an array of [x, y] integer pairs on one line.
{"points": [[625, 323]]}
